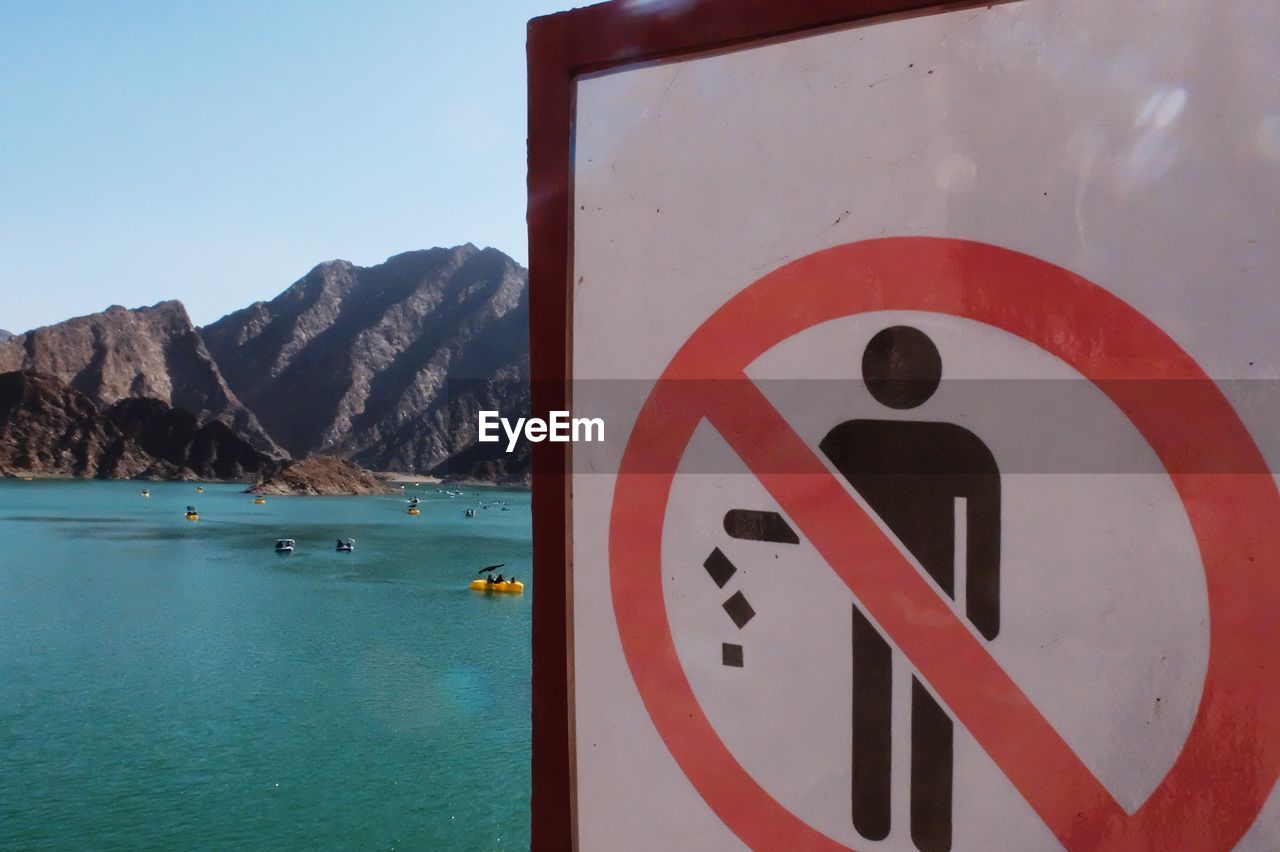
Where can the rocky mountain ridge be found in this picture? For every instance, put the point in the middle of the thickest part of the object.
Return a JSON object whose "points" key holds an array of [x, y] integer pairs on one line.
{"points": [[195, 450], [5, 335], [384, 366], [153, 352], [48, 428]]}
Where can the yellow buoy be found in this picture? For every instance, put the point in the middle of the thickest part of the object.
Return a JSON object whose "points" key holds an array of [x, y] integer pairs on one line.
{"points": [[259, 500]]}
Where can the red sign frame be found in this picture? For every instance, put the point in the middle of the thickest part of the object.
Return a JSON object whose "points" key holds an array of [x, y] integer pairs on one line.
{"points": [[561, 48]]}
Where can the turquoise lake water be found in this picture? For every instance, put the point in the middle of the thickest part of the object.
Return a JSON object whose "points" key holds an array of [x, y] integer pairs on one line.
{"points": [[174, 685]]}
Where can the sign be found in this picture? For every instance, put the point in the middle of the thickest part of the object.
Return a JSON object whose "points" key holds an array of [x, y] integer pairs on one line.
{"points": [[936, 351], [1178, 408]]}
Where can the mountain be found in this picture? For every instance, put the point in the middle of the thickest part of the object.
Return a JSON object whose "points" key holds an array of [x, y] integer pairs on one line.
{"points": [[47, 428], [386, 365], [147, 352], [5, 335], [211, 450]]}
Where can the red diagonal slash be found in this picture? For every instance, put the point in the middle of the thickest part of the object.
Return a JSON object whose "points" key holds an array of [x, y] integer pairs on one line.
{"points": [[946, 652]]}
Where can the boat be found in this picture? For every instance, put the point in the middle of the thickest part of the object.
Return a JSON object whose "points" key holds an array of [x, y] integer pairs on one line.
{"points": [[509, 587], [414, 510], [284, 545], [192, 514], [346, 546], [199, 489], [146, 492], [471, 513], [259, 500]]}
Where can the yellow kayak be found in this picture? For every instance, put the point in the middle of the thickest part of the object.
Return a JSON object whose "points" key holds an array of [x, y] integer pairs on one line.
{"points": [[506, 586]]}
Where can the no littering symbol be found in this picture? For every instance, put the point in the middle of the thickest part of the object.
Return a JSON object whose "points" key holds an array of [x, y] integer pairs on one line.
{"points": [[1230, 761]]}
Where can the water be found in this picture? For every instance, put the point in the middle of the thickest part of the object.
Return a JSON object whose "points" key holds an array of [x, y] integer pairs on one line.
{"points": [[167, 684]]}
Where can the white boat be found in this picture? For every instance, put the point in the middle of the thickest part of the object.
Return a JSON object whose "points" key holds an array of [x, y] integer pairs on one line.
{"points": [[346, 546], [284, 545], [471, 513]]}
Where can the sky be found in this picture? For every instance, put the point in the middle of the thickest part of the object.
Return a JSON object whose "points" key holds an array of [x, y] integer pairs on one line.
{"points": [[215, 152]]}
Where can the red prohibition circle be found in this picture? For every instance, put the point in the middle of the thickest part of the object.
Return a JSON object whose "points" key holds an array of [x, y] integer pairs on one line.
{"points": [[1229, 763]]}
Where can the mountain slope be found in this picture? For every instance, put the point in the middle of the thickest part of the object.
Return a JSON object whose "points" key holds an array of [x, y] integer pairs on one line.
{"points": [[211, 450], [46, 428], [5, 335], [147, 352], [50, 429], [383, 365]]}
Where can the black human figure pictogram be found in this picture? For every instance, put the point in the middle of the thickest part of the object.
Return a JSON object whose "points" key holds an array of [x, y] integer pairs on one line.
{"points": [[910, 473]]}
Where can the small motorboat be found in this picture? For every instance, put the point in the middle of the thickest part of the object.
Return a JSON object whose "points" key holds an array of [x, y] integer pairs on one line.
{"points": [[192, 514], [414, 510], [284, 545], [346, 546], [471, 513], [199, 489], [259, 500], [146, 492]]}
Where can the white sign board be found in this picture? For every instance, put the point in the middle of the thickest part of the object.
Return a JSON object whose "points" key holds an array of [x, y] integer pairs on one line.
{"points": [[972, 612]]}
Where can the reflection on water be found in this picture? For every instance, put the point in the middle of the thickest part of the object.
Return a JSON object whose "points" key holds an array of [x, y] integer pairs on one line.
{"points": [[170, 684]]}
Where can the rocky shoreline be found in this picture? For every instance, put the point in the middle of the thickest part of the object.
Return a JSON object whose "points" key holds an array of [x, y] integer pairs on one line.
{"points": [[322, 476]]}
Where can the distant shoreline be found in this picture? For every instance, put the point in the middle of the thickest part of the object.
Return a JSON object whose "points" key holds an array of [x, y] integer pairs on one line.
{"points": [[394, 476], [407, 478]]}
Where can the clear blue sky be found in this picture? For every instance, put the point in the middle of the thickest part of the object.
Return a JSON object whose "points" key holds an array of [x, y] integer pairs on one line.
{"points": [[215, 151]]}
